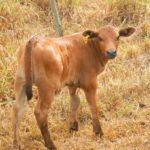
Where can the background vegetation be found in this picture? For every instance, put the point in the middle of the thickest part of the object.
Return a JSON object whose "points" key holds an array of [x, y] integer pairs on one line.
{"points": [[124, 87]]}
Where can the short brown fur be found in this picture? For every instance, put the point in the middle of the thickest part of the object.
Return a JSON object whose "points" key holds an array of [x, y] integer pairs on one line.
{"points": [[52, 63]]}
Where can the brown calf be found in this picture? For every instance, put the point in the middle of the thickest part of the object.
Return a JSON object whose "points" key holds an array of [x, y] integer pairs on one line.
{"points": [[73, 61]]}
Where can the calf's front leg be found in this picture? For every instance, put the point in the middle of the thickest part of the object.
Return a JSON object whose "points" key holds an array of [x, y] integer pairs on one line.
{"points": [[74, 105], [90, 93]]}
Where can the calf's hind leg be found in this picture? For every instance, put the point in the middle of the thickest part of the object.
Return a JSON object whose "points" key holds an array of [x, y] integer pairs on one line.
{"points": [[41, 114], [74, 104], [18, 107]]}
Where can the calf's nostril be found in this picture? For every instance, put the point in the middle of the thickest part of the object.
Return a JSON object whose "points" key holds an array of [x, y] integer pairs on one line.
{"points": [[114, 52]]}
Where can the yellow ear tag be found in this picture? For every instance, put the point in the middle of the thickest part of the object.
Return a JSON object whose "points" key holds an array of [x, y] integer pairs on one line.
{"points": [[86, 38]]}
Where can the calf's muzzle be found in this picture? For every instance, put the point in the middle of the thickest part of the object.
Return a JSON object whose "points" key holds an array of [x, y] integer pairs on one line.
{"points": [[111, 53]]}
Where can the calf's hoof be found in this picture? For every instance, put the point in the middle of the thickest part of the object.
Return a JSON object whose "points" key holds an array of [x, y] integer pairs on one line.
{"points": [[15, 145], [97, 130], [74, 126], [50, 147]]}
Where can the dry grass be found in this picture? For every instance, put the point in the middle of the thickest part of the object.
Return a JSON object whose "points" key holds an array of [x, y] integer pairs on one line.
{"points": [[124, 87]]}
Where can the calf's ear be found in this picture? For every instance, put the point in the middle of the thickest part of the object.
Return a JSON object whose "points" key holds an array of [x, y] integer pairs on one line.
{"points": [[126, 31], [90, 34]]}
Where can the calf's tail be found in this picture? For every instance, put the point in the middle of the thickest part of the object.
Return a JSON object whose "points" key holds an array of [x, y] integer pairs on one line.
{"points": [[28, 69]]}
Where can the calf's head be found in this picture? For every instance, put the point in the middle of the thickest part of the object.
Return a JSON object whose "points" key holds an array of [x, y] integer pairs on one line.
{"points": [[108, 38]]}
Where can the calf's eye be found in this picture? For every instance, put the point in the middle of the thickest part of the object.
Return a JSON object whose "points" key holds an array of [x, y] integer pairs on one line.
{"points": [[117, 38]]}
